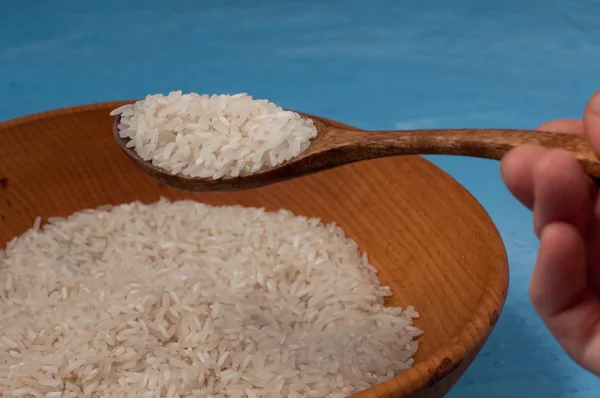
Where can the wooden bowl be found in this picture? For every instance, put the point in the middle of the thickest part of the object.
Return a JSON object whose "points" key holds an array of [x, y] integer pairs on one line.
{"points": [[430, 239]]}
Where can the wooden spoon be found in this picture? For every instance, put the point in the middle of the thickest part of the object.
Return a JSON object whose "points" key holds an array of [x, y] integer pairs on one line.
{"points": [[335, 146]]}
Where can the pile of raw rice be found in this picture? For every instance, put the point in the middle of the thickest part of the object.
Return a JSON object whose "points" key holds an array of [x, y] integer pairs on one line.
{"points": [[213, 137], [180, 299]]}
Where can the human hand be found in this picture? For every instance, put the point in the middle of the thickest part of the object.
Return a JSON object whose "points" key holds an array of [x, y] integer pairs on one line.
{"points": [[565, 287]]}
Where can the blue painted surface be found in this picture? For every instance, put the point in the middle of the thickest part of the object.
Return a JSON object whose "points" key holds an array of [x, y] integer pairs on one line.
{"points": [[377, 64]]}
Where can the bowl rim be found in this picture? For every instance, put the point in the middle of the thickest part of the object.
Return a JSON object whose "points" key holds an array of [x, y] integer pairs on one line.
{"points": [[458, 352]]}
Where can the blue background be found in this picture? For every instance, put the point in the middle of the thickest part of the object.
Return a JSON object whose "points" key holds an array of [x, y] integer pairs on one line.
{"points": [[378, 64]]}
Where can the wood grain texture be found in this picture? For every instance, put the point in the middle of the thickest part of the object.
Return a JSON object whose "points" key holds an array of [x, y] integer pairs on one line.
{"points": [[337, 145], [428, 237]]}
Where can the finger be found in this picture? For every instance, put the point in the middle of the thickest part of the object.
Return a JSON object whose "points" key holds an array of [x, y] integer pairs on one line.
{"points": [[568, 126], [593, 259], [591, 121], [560, 295], [517, 166], [559, 279], [562, 192], [516, 169]]}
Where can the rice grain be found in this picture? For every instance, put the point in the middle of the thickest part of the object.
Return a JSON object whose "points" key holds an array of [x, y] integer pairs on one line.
{"points": [[213, 136], [189, 300]]}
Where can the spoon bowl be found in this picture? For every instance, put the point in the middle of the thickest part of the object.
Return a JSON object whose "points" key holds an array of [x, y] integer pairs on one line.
{"points": [[293, 168], [336, 145]]}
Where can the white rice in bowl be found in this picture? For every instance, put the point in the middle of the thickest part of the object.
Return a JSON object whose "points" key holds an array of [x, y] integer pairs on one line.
{"points": [[181, 299], [213, 136]]}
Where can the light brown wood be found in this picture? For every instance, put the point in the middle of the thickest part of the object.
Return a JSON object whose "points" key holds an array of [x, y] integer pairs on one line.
{"points": [[337, 145], [429, 238]]}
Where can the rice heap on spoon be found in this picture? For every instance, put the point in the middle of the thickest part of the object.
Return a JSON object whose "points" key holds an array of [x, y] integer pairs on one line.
{"points": [[180, 299], [213, 136]]}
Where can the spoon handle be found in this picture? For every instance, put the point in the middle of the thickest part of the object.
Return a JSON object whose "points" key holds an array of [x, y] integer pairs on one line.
{"points": [[480, 143]]}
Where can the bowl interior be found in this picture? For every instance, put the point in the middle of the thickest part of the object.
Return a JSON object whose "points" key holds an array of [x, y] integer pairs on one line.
{"points": [[430, 240]]}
